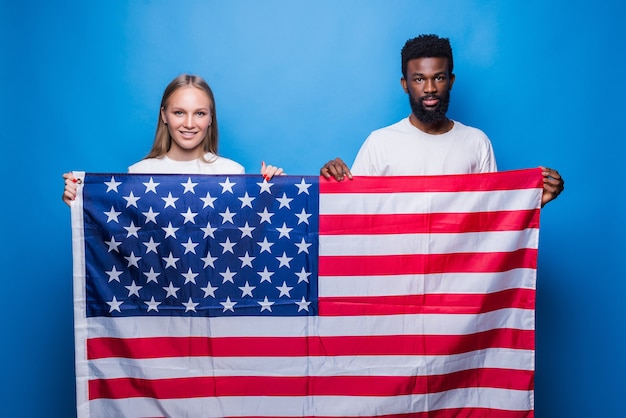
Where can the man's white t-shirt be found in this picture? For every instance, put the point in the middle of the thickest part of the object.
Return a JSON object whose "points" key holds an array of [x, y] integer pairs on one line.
{"points": [[165, 165], [402, 149]]}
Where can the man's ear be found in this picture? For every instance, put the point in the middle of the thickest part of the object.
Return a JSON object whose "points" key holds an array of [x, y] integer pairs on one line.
{"points": [[404, 86], [452, 78]]}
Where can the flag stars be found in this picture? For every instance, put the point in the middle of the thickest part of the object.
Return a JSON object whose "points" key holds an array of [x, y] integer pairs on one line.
{"points": [[133, 289], [265, 245], [284, 201], [151, 246], [208, 200], [151, 186], [114, 274], [112, 215], [209, 260], [190, 247], [246, 260], [227, 186], [228, 305], [170, 200], [284, 260], [131, 200], [151, 276], [303, 217], [303, 187], [153, 305], [265, 187], [113, 245], [190, 276], [189, 216], [190, 305], [171, 290], [170, 261], [266, 305], [303, 246], [284, 290], [228, 276], [209, 231], [246, 230], [227, 246], [132, 230], [246, 201], [170, 231], [133, 260], [246, 290], [227, 216], [114, 305], [303, 276], [150, 215], [265, 216], [209, 290], [112, 185], [284, 231], [303, 305], [189, 186], [266, 276]]}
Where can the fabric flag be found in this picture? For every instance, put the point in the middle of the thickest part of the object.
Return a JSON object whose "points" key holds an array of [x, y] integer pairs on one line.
{"points": [[231, 296]]}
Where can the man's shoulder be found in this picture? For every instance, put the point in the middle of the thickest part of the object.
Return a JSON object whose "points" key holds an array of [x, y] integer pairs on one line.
{"points": [[402, 125]]}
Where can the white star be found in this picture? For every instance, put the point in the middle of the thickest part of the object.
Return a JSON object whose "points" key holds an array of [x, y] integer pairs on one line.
{"points": [[131, 199], [170, 261], [208, 260], [266, 305], [303, 304], [284, 231], [152, 276], [151, 186], [303, 217], [208, 200], [189, 186], [208, 231], [228, 276], [246, 201], [114, 274], [266, 276], [227, 186], [151, 246], [284, 260], [265, 186], [246, 230], [228, 246], [170, 231], [209, 290], [190, 305], [114, 305], [265, 216], [303, 276], [112, 185], [112, 215], [190, 276], [189, 216], [190, 247], [132, 230], [132, 259], [153, 305], [303, 246], [227, 216], [169, 200], [265, 246], [150, 215], [284, 201], [246, 290], [303, 187], [171, 290], [113, 245], [246, 260], [133, 289], [284, 290], [228, 305]]}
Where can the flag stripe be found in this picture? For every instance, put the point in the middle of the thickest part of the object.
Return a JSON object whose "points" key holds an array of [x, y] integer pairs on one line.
{"points": [[311, 346], [196, 387], [426, 263], [432, 223]]}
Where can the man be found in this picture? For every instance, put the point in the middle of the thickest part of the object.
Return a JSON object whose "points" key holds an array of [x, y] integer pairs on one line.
{"points": [[427, 142]]}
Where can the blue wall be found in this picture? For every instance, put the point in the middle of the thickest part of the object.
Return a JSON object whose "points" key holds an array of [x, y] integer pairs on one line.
{"points": [[298, 83]]}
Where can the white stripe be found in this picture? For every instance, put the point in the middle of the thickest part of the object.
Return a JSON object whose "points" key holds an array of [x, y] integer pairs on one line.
{"points": [[396, 244], [418, 284], [419, 324], [330, 406], [438, 202], [166, 368]]}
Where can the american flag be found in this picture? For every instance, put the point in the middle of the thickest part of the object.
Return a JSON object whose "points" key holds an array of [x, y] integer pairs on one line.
{"points": [[231, 296]]}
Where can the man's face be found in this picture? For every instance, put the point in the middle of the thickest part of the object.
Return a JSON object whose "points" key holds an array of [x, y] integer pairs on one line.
{"points": [[428, 85]]}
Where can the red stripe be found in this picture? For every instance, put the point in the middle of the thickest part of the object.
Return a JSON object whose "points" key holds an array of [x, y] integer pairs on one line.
{"points": [[161, 347], [506, 180], [200, 387], [427, 304], [376, 265], [441, 413], [433, 223]]}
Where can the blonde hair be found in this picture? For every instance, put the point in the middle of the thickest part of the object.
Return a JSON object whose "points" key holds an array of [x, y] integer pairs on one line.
{"points": [[162, 139]]}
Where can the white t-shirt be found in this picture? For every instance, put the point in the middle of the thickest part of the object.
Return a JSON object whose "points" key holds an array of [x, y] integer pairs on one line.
{"points": [[402, 149], [165, 165]]}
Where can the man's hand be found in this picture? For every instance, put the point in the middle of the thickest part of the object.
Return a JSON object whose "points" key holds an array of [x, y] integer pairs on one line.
{"points": [[337, 169], [553, 185]]}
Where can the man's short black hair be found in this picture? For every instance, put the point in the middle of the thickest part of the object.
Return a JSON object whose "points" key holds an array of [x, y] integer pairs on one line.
{"points": [[426, 46]]}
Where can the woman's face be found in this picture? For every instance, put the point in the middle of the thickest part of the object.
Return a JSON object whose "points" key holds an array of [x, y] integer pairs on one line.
{"points": [[188, 117]]}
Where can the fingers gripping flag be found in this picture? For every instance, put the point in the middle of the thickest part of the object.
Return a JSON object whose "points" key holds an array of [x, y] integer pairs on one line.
{"points": [[218, 296]]}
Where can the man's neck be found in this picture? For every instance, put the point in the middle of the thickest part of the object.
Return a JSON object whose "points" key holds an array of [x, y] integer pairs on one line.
{"points": [[434, 128]]}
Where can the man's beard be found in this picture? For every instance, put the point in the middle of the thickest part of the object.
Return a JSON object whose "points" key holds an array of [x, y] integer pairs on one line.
{"points": [[438, 114]]}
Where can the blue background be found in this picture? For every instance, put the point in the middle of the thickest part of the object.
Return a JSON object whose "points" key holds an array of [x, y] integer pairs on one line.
{"points": [[298, 83]]}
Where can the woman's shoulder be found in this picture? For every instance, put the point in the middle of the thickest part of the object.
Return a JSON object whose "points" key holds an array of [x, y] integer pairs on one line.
{"points": [[222, 165]]}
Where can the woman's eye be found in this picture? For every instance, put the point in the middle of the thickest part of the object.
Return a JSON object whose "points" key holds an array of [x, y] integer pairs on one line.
{"points": [[201, 114]]}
